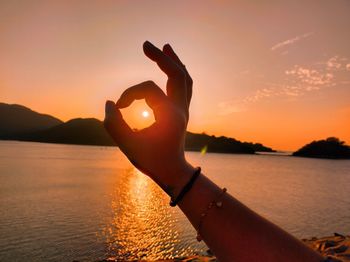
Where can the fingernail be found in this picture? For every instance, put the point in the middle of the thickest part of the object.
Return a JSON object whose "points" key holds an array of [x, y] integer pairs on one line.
{"points": [[166, 48], [148, 44]]}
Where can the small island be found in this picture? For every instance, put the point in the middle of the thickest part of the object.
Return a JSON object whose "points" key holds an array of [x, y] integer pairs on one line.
{"points": [[331, 148]]}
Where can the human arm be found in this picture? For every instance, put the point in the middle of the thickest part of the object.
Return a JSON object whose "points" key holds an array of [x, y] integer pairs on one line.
{"points": [[236, 233], [233, 231]]}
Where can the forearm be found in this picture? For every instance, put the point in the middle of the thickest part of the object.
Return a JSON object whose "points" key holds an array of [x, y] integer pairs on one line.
{"points": [[234, 232]]}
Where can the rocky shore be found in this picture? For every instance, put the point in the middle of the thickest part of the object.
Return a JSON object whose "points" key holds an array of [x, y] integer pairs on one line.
{"points": [[336, 247]]}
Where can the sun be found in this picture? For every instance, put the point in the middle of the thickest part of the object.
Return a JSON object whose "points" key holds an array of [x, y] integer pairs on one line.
{"points": [[145, 114]]}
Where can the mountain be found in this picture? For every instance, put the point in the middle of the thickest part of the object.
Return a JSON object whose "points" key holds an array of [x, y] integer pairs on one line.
{"points": [[80, 131], [222, 144], [331, 148], [90, 131], [21, 123], [16, 120]]}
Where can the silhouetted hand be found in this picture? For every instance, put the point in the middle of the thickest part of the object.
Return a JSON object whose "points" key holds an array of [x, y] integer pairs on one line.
{"points": [[158, 150]]}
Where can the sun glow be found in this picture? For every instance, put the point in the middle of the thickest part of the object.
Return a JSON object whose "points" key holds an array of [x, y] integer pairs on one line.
{"points": [[138, 115], [145, 114]]}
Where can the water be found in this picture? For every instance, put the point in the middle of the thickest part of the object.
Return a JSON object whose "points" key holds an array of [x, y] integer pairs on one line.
{"points": [[65, 203]]}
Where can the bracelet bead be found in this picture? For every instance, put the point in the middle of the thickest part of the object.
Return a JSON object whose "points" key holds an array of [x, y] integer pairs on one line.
{"points": [[218, 203]]}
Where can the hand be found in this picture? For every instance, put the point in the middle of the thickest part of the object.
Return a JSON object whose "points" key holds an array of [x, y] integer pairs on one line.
{"points": [[158, 150]]}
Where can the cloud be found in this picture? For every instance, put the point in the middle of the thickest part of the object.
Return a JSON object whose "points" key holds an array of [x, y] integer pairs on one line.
{"points": [[292, 91], [333, 63], [291, 41], [302, 79], [229, 107], [259, 94], [337, 63], [311, 77], [295, 82]]}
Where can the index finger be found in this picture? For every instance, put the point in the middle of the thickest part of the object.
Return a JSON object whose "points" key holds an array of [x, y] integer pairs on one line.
{"points": [[149, 91]]}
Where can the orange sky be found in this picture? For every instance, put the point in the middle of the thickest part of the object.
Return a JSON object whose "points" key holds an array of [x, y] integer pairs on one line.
{"points": [[276, 72]]}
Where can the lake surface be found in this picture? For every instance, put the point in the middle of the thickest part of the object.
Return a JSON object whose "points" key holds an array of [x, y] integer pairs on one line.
{"points": [[66, 202]]}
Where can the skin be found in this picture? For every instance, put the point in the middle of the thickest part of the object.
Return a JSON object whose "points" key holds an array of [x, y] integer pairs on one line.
{"points": [[233, 232]]}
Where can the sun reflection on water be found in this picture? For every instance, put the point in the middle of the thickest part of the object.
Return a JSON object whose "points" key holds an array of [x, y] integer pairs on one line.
{"points": [[143, 226]]}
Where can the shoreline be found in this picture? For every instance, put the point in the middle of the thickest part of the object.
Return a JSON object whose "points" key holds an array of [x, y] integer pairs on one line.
{"points": [[336, 247]]}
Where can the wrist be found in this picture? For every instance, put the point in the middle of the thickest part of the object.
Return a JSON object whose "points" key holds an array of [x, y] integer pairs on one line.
{"points": [[176, 178]]}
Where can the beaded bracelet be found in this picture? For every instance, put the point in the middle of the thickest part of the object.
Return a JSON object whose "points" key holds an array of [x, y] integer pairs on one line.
{"points": [[218, 203]]}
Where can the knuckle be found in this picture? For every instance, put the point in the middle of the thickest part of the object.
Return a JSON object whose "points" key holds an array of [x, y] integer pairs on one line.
{"points": [[149, 83], [179, 118], [107, 124], [125, 93], [179, 74], [150, 86], [189, 80]]}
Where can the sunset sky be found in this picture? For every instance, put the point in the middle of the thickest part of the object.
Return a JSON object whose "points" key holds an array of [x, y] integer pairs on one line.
{"points": [[275, 72]]}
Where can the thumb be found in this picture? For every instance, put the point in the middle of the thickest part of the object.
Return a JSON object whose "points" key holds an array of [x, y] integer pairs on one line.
{"points": [[116, 126]]}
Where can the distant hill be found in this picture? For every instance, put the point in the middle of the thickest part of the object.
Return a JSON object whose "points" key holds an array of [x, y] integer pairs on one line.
{"points": [[17, 119], [21, 123], [222, 144], [90, 131], [80, 131], [331, 147]]}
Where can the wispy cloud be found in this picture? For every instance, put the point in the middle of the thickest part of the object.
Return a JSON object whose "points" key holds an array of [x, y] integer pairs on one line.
{"points": [[297, 81], [291, 41], [260, 93], [334, 63], [229, 107], [303, 79], [310, 77]]}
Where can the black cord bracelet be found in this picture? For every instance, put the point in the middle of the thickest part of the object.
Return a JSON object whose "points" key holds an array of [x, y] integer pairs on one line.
{"points": [[186, 188]]}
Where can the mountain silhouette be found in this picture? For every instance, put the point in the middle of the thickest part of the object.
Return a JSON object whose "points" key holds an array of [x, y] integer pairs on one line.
{"points": [[222, 144], [16, 120], [79, 131], [90, 131]]}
